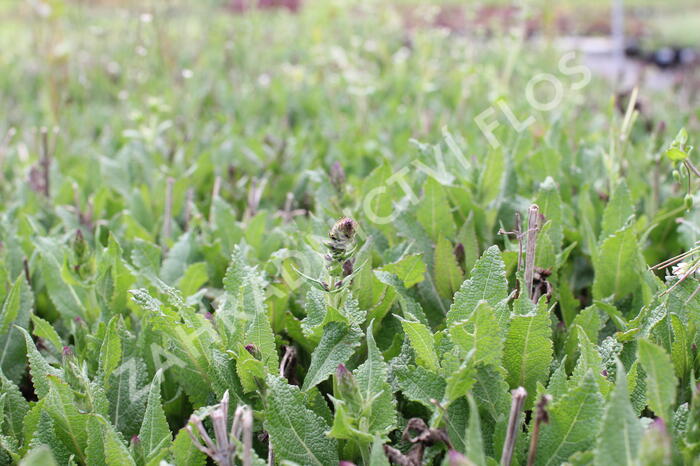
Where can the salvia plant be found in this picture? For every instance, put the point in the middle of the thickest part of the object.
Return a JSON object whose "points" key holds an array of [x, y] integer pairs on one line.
{"points": [[277, 238]]}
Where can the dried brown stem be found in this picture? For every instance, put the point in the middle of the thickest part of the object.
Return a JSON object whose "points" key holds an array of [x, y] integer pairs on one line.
{"points": [[541, 417], [516, 406]]}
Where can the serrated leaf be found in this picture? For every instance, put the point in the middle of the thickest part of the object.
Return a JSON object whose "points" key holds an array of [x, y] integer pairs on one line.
{"points": [[337, 344], [423, 344], [15, 408], [448, 274], [154, 434], [45, 330], [617, 212], [11, 306], [680, 348], [111, 349], [296, 433], [661, 380], [528, 350], [573, 422], [127, 395], [621, 432], [420, 385], [487, 282], [184, 451], [375, 391], [481, 333], [616, 273], [39, 456], [410, 269], [38, 367], [433, 211], [474, 444], [69, 422]]}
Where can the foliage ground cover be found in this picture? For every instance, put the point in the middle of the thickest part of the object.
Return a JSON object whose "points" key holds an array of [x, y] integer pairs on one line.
{"points": [[304, 239]]}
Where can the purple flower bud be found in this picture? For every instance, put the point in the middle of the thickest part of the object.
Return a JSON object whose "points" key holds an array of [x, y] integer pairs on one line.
{"points": [[347, 268], [346, 463], [459, 253], [604, 373], [253, 350], [67, 351], [209, 316], [135, 439], [337, 176]]}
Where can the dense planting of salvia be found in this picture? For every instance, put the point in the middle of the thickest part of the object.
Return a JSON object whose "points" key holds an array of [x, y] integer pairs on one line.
{"points": [[264, 238]]}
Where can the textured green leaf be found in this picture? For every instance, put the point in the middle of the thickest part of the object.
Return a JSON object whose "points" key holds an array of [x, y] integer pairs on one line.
{"points": [[154, 434], [422, 342], [15, 408], [338, 343], [410, 269], [11, 306], [39, 368], [474, 448], [43, 329], [296, 433], [481, 333], [621, 431], [433, 211], [372, 384], [448, 274], [550, 205], [573, 423], [661, 380], [111, 349], [127, 395], [618, 211], [528, 350], [184, 452], [39, 456], [487, 282], [69, 422], [680, 348], [420, 385], [616, 270]]}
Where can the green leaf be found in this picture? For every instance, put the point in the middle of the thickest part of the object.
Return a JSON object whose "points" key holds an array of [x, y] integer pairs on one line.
{"points": [[127, 395], [16, 407], [420, 385], [422, 342], [184, 451], [680, 348], [573, 422], [618, 211], [474, 445], [616, 269], [45, 330], [111, 349], [486, 283], [337, 344], [39, 456], [481, 333], [661, 380], [372, 384], [433, 211], [38, 367], [621, 432], [410, 269], [296, 433], [448, 274], [154, 434], [11, 307], [550, 205], [69, 422], [528, 350]]}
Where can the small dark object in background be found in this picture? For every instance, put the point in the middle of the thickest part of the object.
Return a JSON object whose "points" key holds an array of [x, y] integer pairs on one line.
{"points": [[240, 6]]}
